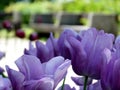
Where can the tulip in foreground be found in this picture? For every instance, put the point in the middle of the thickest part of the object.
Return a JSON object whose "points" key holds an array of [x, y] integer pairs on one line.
{"points": [[87, 53], [34, 75]]}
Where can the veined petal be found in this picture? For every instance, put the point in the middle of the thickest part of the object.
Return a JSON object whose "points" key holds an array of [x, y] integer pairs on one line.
{"points": [[61, 71], [55, 45], [102, 41], [16, 78], [42, 52], [30, 66], [116, 75], [62, 43], [41, 84], [79, 56], [107, 55], [50, 45]]}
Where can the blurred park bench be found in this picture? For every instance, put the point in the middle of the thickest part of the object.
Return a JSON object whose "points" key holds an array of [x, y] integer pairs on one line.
{"points": [[57, 22]]}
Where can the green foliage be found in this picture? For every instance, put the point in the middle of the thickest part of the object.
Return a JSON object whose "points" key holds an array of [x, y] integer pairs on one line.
{"points": [[97, 6], [4, 3], [30, 8], [75, 6], [26, 9]]}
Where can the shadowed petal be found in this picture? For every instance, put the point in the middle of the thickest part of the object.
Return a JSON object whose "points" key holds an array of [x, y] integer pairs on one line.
{"points": [[42, 52], [64, 51], [78, 56]]}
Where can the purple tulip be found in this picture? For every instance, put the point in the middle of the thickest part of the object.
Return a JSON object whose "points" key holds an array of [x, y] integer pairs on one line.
{"points": [[44, 51], [87, 54], [20, 33], [33, 74], [5, 84], [63, 45], [33, 36], [66, 87], [7, 25], [110, 77]]}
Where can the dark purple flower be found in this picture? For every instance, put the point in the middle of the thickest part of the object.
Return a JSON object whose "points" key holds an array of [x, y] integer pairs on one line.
{"points": [[33, 36], [110, 77], [44, 51], [87, 54], [7, 25], [66, 87], [33, 74], [5, 84], [63, 45], [20, 33]]}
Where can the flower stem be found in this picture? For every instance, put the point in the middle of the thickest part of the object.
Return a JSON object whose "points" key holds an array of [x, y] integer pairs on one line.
{"points": [[3, 75], [63, 84], [85, 83]]}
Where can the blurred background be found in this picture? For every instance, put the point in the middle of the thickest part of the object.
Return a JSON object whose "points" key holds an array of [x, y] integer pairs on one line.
{"points": [[36, 15], [22, 21]]}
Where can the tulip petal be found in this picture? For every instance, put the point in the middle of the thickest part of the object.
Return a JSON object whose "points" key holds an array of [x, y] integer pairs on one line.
{"points": [[5, 84], [42, 51], [16, 78], [42, 84], [52, 65], [30, 66], [64, 51], [78, 56], [61, 71]]}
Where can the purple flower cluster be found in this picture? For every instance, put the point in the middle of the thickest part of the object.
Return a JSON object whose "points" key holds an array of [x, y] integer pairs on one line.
{"points": [[94, 56]]}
